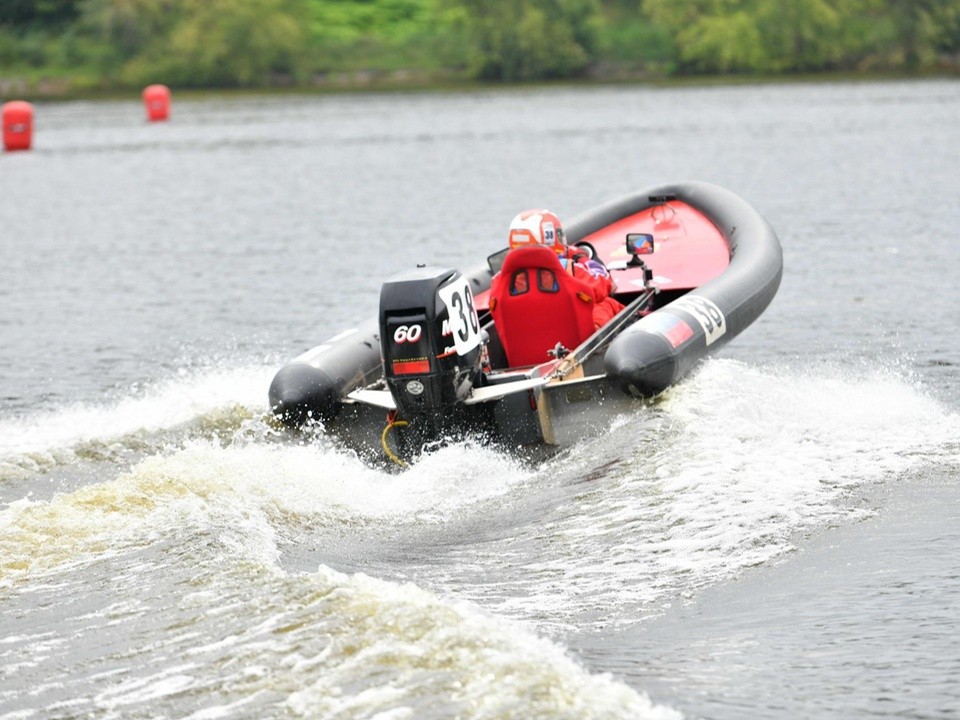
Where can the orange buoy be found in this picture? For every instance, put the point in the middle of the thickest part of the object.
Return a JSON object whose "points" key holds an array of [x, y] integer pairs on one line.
{"points": [[17, 125], [156, 98]]}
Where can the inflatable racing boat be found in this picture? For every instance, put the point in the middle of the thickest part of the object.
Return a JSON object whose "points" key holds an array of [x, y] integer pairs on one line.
{"points": [[693, 265]]}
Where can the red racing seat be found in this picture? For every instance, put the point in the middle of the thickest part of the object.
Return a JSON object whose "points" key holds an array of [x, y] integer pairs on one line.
{"points": [[536, 304]]}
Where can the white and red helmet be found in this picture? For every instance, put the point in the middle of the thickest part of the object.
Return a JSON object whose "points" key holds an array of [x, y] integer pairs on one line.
{"points": [[537, 227]]}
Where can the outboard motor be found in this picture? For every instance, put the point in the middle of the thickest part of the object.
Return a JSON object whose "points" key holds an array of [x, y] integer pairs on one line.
{"points": [[431, 342]]}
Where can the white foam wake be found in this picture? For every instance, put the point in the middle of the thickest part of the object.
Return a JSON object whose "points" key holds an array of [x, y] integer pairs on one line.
{"points": [[724, 473], [36, 443], [185, 547]]}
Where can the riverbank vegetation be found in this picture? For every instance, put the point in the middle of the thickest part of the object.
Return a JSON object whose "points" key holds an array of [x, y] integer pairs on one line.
{"points": [[62, 47]]}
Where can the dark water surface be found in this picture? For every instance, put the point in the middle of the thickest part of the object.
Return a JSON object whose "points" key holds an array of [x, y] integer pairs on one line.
{"points": [[777, 537]]}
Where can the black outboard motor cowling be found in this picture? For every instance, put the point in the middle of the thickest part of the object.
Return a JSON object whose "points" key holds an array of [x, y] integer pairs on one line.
{"points": [[431, 343]]}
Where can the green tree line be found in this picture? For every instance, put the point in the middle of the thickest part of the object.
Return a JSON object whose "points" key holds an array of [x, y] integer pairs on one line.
{"points": [[257, 43]]}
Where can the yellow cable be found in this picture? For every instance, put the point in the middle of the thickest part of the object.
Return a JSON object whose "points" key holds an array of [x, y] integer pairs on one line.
{"points": [[386, 448]]}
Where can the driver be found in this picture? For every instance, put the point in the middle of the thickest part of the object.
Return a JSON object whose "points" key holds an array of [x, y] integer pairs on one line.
{"points": [[542, 227]]}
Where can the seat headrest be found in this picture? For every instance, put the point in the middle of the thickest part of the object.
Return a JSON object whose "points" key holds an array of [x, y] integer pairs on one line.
{"points": [[531, 256]]}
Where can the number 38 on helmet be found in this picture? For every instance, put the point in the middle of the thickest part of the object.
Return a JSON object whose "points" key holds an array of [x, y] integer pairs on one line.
{"points": [[537, 227]]}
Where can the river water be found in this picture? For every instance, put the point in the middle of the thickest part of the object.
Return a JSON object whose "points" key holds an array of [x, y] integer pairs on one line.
{"points": [[776, 537]]}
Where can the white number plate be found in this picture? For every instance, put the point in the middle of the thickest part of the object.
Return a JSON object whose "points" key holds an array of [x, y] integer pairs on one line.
{"points": [[464, 323], [705, 312]]}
